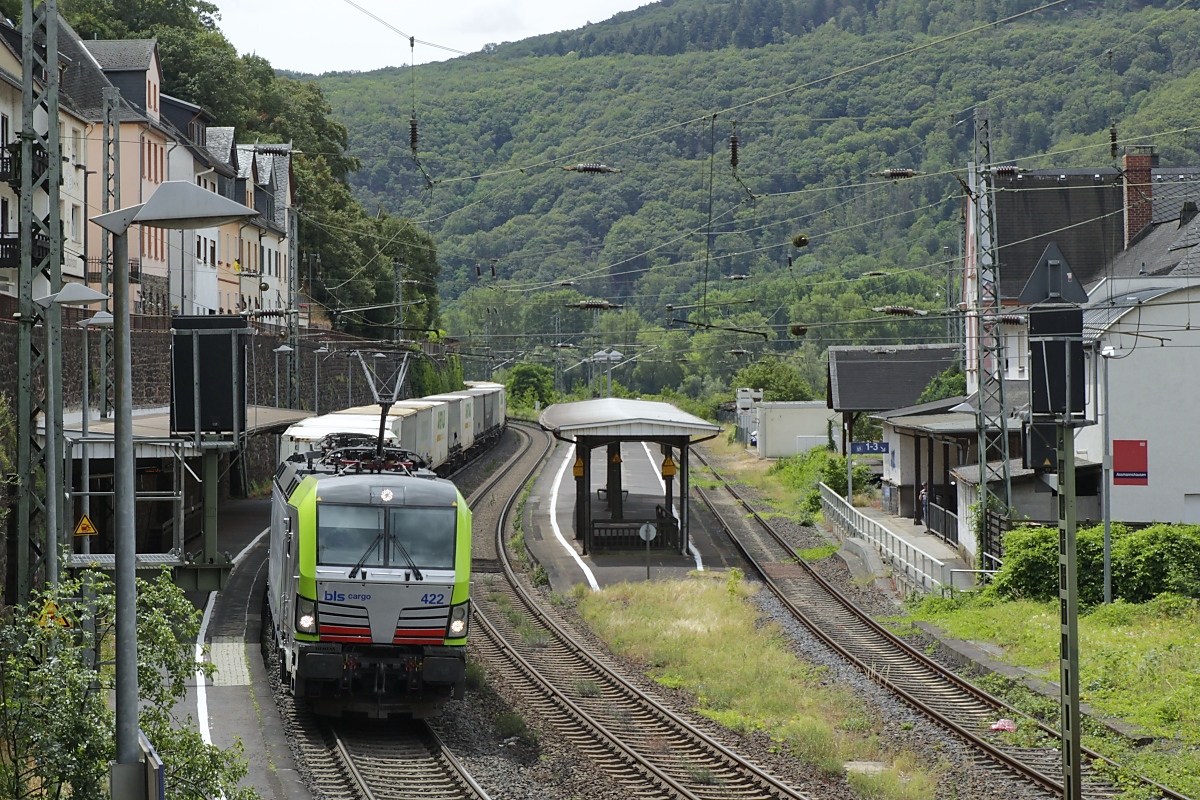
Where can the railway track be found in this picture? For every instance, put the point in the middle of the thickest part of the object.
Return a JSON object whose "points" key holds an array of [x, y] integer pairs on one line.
{"points": [[640, 744], [890, 661], [384, 760]]}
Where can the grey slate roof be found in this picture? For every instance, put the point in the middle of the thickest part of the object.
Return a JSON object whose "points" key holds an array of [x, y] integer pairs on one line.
{"points": [[880, 378], [245, 161], [122, 54], [220, 144], [1170, 188], [1078, 208]]}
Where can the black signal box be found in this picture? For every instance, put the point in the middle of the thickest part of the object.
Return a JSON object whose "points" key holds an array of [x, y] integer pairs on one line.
{"points": [[208, 366]]}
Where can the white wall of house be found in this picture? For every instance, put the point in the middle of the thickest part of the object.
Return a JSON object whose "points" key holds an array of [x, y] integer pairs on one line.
{"points": [[1154, 385], [192, 270], [780, 423]]}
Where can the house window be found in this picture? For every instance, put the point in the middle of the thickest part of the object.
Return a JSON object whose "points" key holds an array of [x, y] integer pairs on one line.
{"points": [[212, 252], [5, 129], [76, 222]]}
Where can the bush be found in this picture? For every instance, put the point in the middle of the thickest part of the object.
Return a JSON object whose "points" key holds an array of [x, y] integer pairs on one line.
{"points": [[1145, 563], [803, 472]]}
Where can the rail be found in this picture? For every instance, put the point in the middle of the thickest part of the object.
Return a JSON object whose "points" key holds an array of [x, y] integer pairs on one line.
{"points": [[920, 567]]}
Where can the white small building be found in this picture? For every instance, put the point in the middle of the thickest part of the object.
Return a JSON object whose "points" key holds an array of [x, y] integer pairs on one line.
{"points": [[787, 428]]}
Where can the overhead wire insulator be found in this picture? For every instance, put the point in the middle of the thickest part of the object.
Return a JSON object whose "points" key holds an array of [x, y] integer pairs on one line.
{"points": [[1112, 140], [733, 150], [412, 134], [897, 174], [900, 311], [593, 168]]}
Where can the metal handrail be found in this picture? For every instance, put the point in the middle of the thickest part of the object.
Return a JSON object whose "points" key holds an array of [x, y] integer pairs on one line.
{"points": [[922, 568]]}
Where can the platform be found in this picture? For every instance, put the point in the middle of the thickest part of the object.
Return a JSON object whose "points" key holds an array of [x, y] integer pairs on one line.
{"points": [[549, 527]]}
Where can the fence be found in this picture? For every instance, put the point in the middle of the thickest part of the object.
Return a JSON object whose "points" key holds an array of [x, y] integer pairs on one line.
{"points": [[943, 522], [917, 566]]}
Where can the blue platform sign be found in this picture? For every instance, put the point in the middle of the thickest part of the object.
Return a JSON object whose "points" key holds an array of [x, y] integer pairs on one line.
{"points": [[868, 448]]}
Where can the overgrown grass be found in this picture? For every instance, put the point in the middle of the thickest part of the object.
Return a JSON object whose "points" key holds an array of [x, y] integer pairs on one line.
{"points": [[1138, 662], [683, 631], [817, 553]]}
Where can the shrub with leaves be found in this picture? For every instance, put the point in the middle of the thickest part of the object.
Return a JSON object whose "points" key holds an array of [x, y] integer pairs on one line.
{"points": [[1145, 563], [54, 713]]}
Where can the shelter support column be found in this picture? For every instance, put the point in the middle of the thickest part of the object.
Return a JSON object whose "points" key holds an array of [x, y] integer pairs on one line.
{"points": [[586, 507], [615, 506], [917, 479], [581, 492], [932, 483], [685, 513]]}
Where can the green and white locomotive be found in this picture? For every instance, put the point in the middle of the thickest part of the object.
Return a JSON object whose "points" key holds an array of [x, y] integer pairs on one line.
{"points": [[367, 603]]}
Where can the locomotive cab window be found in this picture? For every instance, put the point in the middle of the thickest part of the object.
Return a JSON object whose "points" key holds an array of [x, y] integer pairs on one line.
{"points": [[349, 535], [426, 534]]}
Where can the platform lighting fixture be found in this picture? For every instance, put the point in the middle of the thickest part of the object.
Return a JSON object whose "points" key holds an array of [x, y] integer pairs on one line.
{"points": [[175, 205]]}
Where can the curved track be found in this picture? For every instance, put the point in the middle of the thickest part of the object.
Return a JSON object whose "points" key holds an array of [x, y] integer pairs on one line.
{"points": [[642, 745], [892, 662]]}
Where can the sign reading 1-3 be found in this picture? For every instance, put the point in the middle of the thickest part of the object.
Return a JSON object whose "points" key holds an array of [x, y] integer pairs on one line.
{"points": [[1130, 462], [868, 448]]}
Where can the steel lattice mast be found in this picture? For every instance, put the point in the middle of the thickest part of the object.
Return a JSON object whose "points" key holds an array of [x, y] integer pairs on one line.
{"points": [[39, 496], [995, 487], [110, 200]]}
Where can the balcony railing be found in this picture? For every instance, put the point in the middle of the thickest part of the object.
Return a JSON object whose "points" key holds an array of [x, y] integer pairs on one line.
{"points": [[95, 272], [10, 163], [10, 250]]}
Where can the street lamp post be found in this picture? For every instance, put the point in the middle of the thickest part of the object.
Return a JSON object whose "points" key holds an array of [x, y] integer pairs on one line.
{"points": [[1105, 355], [320, 351], [175, 205], [283, 348], [609, 356]]}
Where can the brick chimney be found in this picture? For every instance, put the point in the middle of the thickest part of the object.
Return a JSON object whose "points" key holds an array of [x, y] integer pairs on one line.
{"points": [[1139, 210]]}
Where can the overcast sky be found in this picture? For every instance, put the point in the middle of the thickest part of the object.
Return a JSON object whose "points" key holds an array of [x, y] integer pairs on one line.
{"points": [[331, 35]]}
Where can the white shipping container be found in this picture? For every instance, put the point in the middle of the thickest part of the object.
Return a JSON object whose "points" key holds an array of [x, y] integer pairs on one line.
{"points": [[460, 427], [424, 433]]}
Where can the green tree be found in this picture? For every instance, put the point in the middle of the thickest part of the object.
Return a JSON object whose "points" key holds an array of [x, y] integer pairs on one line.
{"points": [[529, 382], [53, 707], [779, 381], [951, 383]]}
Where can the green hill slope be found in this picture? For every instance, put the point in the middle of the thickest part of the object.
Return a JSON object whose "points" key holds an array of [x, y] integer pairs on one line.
{"points": [[496, 129]]}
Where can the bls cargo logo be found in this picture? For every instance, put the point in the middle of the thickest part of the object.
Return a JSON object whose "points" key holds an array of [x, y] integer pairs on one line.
{"points": [[338, 597]]}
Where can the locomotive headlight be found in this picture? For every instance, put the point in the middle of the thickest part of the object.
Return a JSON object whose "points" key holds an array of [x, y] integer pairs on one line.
{"points": [[306, 615], [459, 616]]}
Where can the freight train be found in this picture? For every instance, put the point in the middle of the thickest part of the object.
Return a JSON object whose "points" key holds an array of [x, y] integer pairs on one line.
{"points": [[367, 605]]}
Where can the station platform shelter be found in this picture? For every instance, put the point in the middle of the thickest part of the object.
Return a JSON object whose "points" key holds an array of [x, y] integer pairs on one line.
{"points": [[612, 504]]}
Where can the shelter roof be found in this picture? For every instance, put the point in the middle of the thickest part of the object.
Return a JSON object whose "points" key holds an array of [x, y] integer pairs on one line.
{"points": [[631, 419], [954, 423], [880, 378], [922, 409]]}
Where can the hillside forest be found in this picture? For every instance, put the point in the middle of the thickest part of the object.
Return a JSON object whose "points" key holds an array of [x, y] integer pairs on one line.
{"points": [[821, 99], [747, 219]]}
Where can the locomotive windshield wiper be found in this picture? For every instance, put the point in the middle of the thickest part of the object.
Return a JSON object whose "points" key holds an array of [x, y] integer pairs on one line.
{"points": [[366, 554], [412, 564]]}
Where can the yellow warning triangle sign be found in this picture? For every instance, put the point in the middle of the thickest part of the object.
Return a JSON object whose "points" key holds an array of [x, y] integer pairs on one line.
{"points": [[85, 527], [51, 616]]}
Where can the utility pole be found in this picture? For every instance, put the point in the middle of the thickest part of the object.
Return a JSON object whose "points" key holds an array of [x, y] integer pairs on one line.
{"points": [[40, 262], [991, 418], [1056, 389]]}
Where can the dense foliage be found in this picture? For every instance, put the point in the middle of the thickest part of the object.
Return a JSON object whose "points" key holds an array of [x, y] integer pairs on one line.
{"points": [[1145, 563], [951, 383], [806, 471], [54, 711], [638, 92]]}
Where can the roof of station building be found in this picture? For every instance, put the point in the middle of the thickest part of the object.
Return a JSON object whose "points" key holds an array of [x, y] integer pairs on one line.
{"points": [[615, 417]]}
